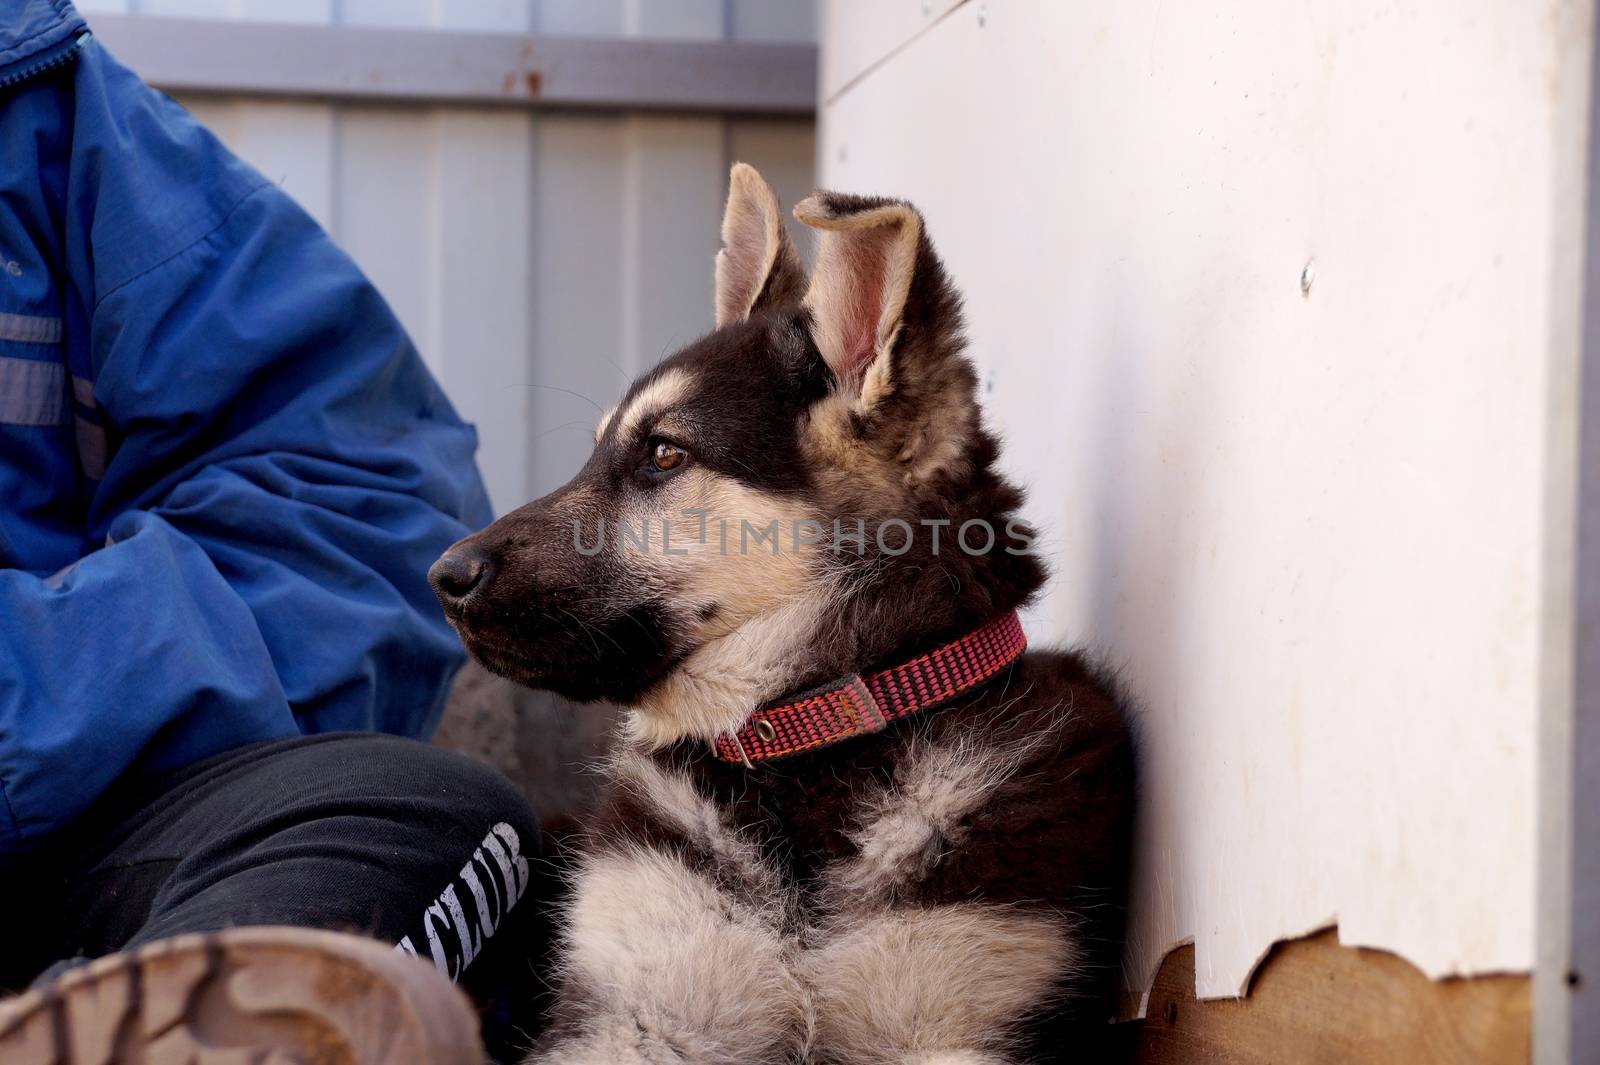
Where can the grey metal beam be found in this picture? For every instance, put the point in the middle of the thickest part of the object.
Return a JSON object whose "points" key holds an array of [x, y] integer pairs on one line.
{"points": [[1582, 962], [443, 66]]}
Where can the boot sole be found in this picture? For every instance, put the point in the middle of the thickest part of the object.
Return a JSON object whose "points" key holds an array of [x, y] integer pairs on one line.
{"points": [[245, 996]]}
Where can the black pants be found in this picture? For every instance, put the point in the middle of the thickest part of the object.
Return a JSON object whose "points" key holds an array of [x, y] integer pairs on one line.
{"points": [[411, 844]]}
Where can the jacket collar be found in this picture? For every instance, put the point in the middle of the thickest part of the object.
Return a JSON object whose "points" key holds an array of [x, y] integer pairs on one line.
{"points": [[33, 29]]}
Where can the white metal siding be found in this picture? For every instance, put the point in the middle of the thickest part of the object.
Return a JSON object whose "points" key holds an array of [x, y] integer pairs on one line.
{"points": [[538, 261]]}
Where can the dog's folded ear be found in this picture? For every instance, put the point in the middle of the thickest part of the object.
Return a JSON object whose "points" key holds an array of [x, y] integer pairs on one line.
{"points": [[757, 267], [876, 277]]}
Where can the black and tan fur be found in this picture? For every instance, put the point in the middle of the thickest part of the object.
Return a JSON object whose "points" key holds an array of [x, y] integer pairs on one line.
{"points": [[949, 890]]}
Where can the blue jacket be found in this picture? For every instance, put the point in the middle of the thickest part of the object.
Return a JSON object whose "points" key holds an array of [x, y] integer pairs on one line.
{"points": [[223, 468]]}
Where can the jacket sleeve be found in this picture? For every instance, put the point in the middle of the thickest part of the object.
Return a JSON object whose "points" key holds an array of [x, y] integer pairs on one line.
{"points": [[279, 469]]}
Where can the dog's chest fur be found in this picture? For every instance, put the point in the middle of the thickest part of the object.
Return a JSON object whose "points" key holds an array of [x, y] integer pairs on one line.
{"points": [[981, 847], [969, 797]]}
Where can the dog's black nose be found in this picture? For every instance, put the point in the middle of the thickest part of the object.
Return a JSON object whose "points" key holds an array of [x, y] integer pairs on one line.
{"points": [[458, 571]]}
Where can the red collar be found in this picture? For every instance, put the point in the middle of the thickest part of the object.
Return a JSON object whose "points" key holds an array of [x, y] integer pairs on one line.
{"points": [[858, 705]]}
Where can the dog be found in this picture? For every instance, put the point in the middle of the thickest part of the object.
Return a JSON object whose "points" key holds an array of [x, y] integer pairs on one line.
{"points": [[850, 820]]}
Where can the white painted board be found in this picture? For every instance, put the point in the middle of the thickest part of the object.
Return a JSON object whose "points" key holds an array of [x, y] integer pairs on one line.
{"points": [[863, 33], [1308, 526]]}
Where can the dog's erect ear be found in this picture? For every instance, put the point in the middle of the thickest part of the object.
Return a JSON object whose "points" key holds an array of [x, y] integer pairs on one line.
{"points": [[869, 256], [757, 266]]}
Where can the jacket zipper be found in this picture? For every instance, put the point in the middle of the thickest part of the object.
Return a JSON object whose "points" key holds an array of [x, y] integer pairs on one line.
{"points": [[59, 55]]}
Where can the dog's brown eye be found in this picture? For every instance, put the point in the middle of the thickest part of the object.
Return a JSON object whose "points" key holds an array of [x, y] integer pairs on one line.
{"points": [[665, 456]]}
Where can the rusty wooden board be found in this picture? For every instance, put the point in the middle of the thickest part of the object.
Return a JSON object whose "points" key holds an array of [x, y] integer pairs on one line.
{"points": [[1314, 1002]]}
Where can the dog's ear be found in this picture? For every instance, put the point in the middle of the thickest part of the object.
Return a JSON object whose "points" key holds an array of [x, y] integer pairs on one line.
{"points": [[757, 266], [876, 277]]}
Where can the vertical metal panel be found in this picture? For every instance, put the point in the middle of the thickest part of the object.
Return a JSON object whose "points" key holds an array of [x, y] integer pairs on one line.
{"points": [[291, 143], [785, 153], [772, 20], [1567, 983], [674, 19], [254, 10], [580, 18], [676, 173], [483, 247], [538, 262], [295, 143], [275, 10], [219, 116], [385, 196], [626, 228], [576, 289], [385, 12], [491, 15], [192, 8]]}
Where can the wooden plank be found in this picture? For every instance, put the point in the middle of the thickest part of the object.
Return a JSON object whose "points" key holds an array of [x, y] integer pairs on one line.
{"points": [[1314, 1002], [485, 69]]}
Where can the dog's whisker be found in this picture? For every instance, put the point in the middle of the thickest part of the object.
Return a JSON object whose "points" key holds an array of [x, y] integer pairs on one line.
{"points": [[565, 391]]}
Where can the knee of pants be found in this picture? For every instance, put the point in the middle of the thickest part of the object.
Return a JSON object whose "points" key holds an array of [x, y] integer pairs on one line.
{"points": [[373, 801], [487, 837], [391, 837], [416, 783]]}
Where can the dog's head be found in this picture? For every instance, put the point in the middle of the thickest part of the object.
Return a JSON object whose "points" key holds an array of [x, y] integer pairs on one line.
{"points": [[802, 492]]}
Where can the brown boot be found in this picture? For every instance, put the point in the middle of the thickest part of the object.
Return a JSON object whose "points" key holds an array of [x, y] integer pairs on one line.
{"points": [[246, 996]]}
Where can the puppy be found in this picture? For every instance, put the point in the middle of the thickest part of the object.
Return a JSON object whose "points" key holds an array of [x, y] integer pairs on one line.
{"points": [[850, 820]]}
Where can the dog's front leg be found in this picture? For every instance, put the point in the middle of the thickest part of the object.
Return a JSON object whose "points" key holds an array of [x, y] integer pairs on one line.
{"points": [[931, 985], [663, 966]]}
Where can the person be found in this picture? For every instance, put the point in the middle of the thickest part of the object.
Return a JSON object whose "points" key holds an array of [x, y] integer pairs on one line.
{"points": [[224, 472]]}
